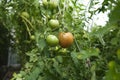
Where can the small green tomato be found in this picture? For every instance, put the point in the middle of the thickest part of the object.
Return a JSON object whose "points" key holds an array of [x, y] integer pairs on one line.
{"points": [[54, 23]]}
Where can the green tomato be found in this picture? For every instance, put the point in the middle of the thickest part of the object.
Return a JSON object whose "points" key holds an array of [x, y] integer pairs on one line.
{"points": [[45, 2], [54, 23], [17, 41], [52, 40], [53, 4], [25, 14], [111, 65], [32, 37]]}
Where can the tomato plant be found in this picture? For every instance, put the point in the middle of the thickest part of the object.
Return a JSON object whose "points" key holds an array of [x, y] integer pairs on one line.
{"points": [[59, 40]]}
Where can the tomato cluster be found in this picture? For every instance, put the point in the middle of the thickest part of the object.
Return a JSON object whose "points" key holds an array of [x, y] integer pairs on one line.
{"points": [[51, 3], [64, 39]]}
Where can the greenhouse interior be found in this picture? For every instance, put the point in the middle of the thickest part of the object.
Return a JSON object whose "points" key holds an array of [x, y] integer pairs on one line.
{"points": [[59, 39]]}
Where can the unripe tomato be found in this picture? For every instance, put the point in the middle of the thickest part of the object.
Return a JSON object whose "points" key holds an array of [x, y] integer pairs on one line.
{"points": [[111, 65], [45, 2], [52, 40], [65, 39], [17, 41], [25, 14], [54, 23], [53, 4], [32, 37]]}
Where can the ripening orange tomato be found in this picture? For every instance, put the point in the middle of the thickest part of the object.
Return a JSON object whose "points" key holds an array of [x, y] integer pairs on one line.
{"points": [[65, 39]]}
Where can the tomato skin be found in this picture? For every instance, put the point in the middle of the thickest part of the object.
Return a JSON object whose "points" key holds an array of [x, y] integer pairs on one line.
{"points": [[52, 40], [32, 37], [54, 23], [111, 65], [25, 14], [45, 2], [65, 39], [53, 4]]}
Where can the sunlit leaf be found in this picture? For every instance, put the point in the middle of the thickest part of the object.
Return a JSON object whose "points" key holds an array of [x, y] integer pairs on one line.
{"points": [[84, 54]]}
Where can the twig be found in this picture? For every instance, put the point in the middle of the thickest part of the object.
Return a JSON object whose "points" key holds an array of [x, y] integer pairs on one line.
{"points": [[77, 45], [27, 21], [27, 28]]}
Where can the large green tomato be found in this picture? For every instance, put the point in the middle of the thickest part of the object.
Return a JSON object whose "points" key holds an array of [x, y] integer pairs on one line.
{"points": [[54, 23], [52, 40]]}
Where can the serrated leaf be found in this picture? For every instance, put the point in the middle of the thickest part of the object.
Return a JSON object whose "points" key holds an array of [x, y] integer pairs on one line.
{"points": [[34, 74], [23, 73], [32, 52], [28, 65], [56, 66], [41, 44]]}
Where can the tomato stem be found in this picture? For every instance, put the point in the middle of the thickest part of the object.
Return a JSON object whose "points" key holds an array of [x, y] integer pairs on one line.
{"points": [[27, 28], [77, 45], [27, 21]]}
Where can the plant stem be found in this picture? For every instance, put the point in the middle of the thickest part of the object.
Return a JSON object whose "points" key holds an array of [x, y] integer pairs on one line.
{"points": [[27, 21], [27, 28], [77, 45]]}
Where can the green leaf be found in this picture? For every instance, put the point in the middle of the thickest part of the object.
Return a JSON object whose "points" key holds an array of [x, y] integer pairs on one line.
{"points": [[93, 68], [36, 3], [56, 66], [41, 44], [84, 54], [74, 57], [114, 41], [41, 65], [28, 65], [33, 55], [34, 74], [114, 15], [59, 59]]}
